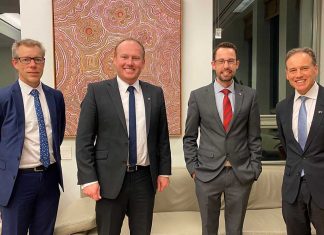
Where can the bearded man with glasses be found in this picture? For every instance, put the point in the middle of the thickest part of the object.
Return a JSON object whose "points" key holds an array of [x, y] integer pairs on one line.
{"points": [[227, 159], [32, 125]]}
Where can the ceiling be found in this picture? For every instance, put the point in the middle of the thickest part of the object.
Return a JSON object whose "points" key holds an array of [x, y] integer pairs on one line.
{"points": [[8, 6]]}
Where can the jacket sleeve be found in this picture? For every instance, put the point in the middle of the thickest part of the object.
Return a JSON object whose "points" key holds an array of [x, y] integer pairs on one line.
{"points": [[190, 147], [85, 139], [254, 137]]}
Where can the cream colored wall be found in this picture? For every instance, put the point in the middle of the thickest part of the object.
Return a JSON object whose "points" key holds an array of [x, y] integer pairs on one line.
{"points": [[36, 16]]}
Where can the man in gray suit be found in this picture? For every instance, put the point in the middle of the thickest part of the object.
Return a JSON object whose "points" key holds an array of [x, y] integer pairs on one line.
{"points": [[122, 145], [300, 119], [227, 159]]}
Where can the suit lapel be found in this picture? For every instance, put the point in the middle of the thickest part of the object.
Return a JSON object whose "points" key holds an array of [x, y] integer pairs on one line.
{"points": [[211, 102], [318, 117], [147, 103], [19, 104], [50, 99], [239, 97], [288, 120], [113, 91]]}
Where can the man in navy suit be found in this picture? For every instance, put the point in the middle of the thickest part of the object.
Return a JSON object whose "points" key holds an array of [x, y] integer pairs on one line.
{"points": [[32, 124], [300, 120]]}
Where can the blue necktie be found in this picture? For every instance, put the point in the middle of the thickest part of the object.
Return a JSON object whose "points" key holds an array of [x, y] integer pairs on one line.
{"points": [[132, 128], [44, 151], [302, 123]]}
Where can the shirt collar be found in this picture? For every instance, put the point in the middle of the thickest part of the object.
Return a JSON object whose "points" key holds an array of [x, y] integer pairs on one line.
{"points": [[311, 94], [26, 89], [123, 86], [218, 88]]}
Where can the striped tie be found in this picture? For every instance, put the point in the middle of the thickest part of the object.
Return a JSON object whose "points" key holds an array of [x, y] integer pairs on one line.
{"points": [[227, 109]]}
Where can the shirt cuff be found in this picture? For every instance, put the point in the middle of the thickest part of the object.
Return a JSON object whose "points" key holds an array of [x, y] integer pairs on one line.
{"points": [[87, 184]]}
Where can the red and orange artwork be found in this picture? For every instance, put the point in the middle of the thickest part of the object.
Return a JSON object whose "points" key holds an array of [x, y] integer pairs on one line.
{"points": [[86, 32]]}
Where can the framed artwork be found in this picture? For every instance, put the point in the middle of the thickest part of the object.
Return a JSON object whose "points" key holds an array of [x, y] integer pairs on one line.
{"points": [[86, 33]]}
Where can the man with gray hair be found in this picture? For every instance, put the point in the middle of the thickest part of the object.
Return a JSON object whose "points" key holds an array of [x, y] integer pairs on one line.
{"points": [[32, 124], [300, 125]]}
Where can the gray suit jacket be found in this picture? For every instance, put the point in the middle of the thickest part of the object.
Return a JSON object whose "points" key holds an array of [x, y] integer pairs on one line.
{"points": [[311, 159], [241, 145], [102, 137]]}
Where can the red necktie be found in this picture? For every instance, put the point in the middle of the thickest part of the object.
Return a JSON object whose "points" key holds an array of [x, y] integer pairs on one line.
{"points": [[227, 109]]}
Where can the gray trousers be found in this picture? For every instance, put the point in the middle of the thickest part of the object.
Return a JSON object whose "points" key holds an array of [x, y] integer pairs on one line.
{"points": [[236, 197]]}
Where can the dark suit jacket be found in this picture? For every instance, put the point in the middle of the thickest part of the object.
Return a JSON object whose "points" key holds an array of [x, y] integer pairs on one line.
{"points": [[311, 159], [102, 137], [241, 145], [12, 125]]}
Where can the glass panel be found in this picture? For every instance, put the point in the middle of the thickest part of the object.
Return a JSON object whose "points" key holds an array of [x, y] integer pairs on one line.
{"points": [[263, 31], [271, 147]]}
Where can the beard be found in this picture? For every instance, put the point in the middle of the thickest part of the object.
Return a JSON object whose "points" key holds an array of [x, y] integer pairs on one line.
{"points": [[225, 80], [226, 75]]}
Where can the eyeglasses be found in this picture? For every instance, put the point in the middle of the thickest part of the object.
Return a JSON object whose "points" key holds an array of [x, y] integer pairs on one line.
{"points": [[27, 60], [222, 61]]}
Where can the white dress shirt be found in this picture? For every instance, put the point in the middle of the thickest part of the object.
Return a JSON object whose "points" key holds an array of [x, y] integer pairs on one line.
{"points": [[30, 156], [142, 152], [310, 108]]}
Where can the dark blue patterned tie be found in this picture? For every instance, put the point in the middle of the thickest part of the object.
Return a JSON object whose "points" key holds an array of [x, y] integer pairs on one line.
{"points": [[132, 128], [44, 151]]}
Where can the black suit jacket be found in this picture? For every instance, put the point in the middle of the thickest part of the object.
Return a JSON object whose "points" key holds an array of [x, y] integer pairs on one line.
{"points": [[311, 159], [102, 137], [12, 134]]}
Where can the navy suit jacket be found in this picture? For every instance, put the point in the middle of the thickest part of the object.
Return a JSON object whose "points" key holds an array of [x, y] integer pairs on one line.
{"points": [[311, 159], [12, 126]]}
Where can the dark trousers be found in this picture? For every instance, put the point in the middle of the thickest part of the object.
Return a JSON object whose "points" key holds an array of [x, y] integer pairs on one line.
{"points": [[136, 200], [302, 212], [33, 204]]}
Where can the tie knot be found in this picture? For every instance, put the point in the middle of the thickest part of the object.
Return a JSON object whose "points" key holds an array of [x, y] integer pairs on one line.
{"points": [[34, 92], [225, 91], [303, 98], [131, 89]]}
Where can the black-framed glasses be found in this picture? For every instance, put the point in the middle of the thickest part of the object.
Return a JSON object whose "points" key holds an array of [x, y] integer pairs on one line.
{"points": [[222, 61], [27, 60]]}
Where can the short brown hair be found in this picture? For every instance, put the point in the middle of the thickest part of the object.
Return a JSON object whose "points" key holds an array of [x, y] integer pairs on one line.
{"points": [[28, 43], [130, 39], [225, 45], [306, 50]]}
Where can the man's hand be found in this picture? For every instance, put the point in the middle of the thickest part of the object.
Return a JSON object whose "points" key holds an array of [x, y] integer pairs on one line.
{"points": [[92, 191], [162, 183], [193, 175]]}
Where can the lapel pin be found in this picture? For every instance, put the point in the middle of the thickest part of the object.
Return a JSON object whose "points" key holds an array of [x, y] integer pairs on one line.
{"points": [[149, 98], [320, 112]]}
